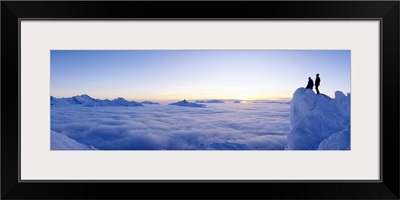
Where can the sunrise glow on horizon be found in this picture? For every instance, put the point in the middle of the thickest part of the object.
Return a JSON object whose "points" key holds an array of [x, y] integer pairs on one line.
{"points": [[196, 74]]}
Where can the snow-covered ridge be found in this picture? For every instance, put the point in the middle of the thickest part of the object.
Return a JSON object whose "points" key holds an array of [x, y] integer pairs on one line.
{"points": [[319, 122], [86, 100], [60, 141]]}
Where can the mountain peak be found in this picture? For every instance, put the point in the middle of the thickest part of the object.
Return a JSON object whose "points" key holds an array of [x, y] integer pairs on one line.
{"points": [[85, 95], [187, 104], [86, 100]]}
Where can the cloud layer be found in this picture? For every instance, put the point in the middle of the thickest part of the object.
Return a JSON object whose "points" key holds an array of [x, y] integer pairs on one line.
{"points": [[164, 127]]}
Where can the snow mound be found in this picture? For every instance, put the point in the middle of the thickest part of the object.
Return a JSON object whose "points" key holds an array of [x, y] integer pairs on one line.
{"points": [[86, 100], [210, 101], [187, 104], [62, 142], [337, 141], [315, 119]]}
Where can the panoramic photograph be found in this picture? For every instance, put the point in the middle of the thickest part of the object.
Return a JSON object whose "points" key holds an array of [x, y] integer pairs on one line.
{"points": [[200, 100]]}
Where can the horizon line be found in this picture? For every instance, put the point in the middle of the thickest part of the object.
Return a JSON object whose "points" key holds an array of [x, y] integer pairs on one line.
{"points": [[180, 99]]}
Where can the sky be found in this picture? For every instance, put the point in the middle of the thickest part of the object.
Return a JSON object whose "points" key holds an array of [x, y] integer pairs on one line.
{"points": [[196, 74]]}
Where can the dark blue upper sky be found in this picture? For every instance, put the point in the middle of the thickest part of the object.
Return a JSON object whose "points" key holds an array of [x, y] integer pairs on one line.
{"points": [[196, 74]]}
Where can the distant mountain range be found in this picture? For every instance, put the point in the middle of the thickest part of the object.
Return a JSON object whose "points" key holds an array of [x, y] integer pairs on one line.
{"points": [[210, 101], [86, 100], [187, 104], [149, 102]]}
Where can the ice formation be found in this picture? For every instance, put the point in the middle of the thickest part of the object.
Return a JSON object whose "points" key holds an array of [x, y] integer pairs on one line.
{"points": [[319, 122]]}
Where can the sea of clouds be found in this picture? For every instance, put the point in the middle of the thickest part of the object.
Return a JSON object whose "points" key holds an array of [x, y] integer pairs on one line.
{"points": [[225, 126]]}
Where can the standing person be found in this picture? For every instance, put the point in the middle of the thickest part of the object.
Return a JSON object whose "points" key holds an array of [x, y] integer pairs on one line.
{"points": [[310, 83], [317, 81]]}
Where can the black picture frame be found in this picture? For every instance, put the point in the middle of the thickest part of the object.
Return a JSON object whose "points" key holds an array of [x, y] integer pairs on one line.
{"points": [[386, 11]]}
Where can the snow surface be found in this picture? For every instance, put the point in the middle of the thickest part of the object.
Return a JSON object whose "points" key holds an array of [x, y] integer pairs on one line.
{"points": [[86, 100], [62, 142], [220, 126], [337, 141], [187, 104], [317, 118]]}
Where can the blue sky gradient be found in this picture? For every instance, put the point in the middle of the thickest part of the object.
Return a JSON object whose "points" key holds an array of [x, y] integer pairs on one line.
{"points": [[196, 74]]}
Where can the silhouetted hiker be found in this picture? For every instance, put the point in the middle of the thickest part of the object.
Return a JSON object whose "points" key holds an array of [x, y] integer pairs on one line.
{"points": [[310, 83], [317, 81]]}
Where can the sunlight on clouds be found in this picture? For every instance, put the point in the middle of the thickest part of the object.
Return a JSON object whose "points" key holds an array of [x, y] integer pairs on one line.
{"points": [[222, 92], [243, 97]]}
